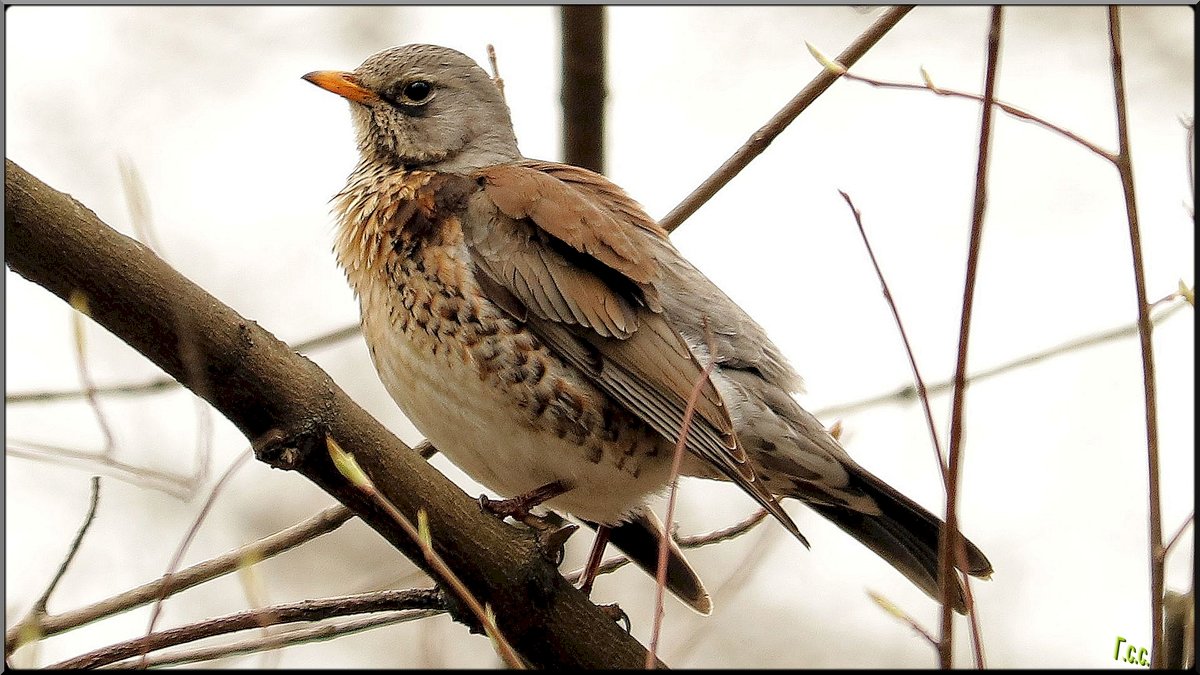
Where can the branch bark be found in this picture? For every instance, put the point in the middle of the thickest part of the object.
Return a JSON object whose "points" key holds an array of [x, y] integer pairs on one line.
{"points": [[267, 390], [583, 85]]}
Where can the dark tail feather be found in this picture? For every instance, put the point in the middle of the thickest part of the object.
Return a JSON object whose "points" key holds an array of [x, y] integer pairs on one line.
{"points": [[639, 540], [905, 535]]}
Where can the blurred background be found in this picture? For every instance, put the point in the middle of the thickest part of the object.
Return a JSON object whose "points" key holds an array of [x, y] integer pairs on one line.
{"points": [[237, 157]]}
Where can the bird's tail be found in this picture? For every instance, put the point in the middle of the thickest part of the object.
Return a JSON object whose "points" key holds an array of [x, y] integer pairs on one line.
{"points": [[904, 534]]}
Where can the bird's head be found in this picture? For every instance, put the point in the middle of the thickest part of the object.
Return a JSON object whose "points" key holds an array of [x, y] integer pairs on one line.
{"points": [[425, 106]]}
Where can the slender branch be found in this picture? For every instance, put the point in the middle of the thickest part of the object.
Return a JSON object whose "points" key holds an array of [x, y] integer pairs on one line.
{"points": [[172, 484], [732, 532], [79, 302], [951, 541], [909, 392], [738, 577], [1189, 125], [423, 537], [307, 610], [1178, 533], [496, 79], [286, 639], [895, 610], [664, 548], [39, 607], [236, 464], [165, 383], [1124, 162], [697, 541], [324, 522], [922, 392], [763, 137], [1006, 107]]}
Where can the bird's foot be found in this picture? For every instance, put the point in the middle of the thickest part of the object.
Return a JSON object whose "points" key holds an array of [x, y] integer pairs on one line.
{"points": [[518, 507]]}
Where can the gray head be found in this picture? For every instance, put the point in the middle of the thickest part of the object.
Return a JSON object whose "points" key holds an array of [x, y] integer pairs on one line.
{"points": [[425, 106]]}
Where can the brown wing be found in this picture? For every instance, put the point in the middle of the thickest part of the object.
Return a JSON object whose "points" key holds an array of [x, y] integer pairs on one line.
{"points": [[561, 248]]}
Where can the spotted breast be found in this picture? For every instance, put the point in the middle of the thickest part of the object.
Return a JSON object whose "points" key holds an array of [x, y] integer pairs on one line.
{"points": [[479, 385]]}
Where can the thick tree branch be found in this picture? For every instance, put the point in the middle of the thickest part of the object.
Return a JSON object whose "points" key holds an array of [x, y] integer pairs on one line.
{"points": [[269, 391]]}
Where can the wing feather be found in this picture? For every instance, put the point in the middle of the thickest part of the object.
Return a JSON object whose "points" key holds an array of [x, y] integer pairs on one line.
{"points": [[571, 249]]}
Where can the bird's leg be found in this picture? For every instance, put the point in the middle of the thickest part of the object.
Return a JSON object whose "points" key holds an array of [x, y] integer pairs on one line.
{"points": [[518, 507], [594, 559]]}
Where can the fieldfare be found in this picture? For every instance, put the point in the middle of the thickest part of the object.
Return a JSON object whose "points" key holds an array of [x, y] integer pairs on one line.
{"points": [[542, 331]]}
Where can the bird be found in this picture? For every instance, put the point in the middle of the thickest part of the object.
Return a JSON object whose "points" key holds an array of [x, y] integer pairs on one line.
{"points": [[543, 332]]}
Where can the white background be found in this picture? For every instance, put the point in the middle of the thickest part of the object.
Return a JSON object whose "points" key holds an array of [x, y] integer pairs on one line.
{"points": [[239, 157]]}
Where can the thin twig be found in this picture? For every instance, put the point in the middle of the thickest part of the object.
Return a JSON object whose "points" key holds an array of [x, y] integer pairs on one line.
{"points": [[1189, 124], [922, 392], [763, 137], [80, 304], [1124, 162], [324, 522], [741, 574], [496, 79], [288, 639], [1145, 328], [306, 610], [895, 610], [1178, 533], [697, 541], [39, 607], [236, 464], [1006, 107], [664, 547], [172, 484], [350, 469], [164, 383], [718, 536], [908, 392], [951, 545]]}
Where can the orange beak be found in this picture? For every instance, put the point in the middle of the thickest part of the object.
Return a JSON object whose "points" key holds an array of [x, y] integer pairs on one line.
{"points": [[343, 84]]}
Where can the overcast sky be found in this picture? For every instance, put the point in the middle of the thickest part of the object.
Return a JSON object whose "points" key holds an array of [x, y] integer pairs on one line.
{"points": [[239, 157]]}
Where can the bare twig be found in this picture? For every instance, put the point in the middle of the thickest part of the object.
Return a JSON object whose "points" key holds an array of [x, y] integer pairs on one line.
{"points": [[1189, 125], [725, 534], [307, 610], [1006, 107], [496, 79], [138, 201], [80, 304], [1124, 162], [236, 464], [739, 576], [895, 610], [664, 548], [287, 639], [420, 534], [39, 607], [763, 137], [922, 392], [908, 392], [172, 484], [165, 383], [697, 541], [951, 544], [326, 521], [1178, 533]]}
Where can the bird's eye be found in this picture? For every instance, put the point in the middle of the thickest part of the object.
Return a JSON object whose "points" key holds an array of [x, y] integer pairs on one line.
{"points": [[417, 91]]}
